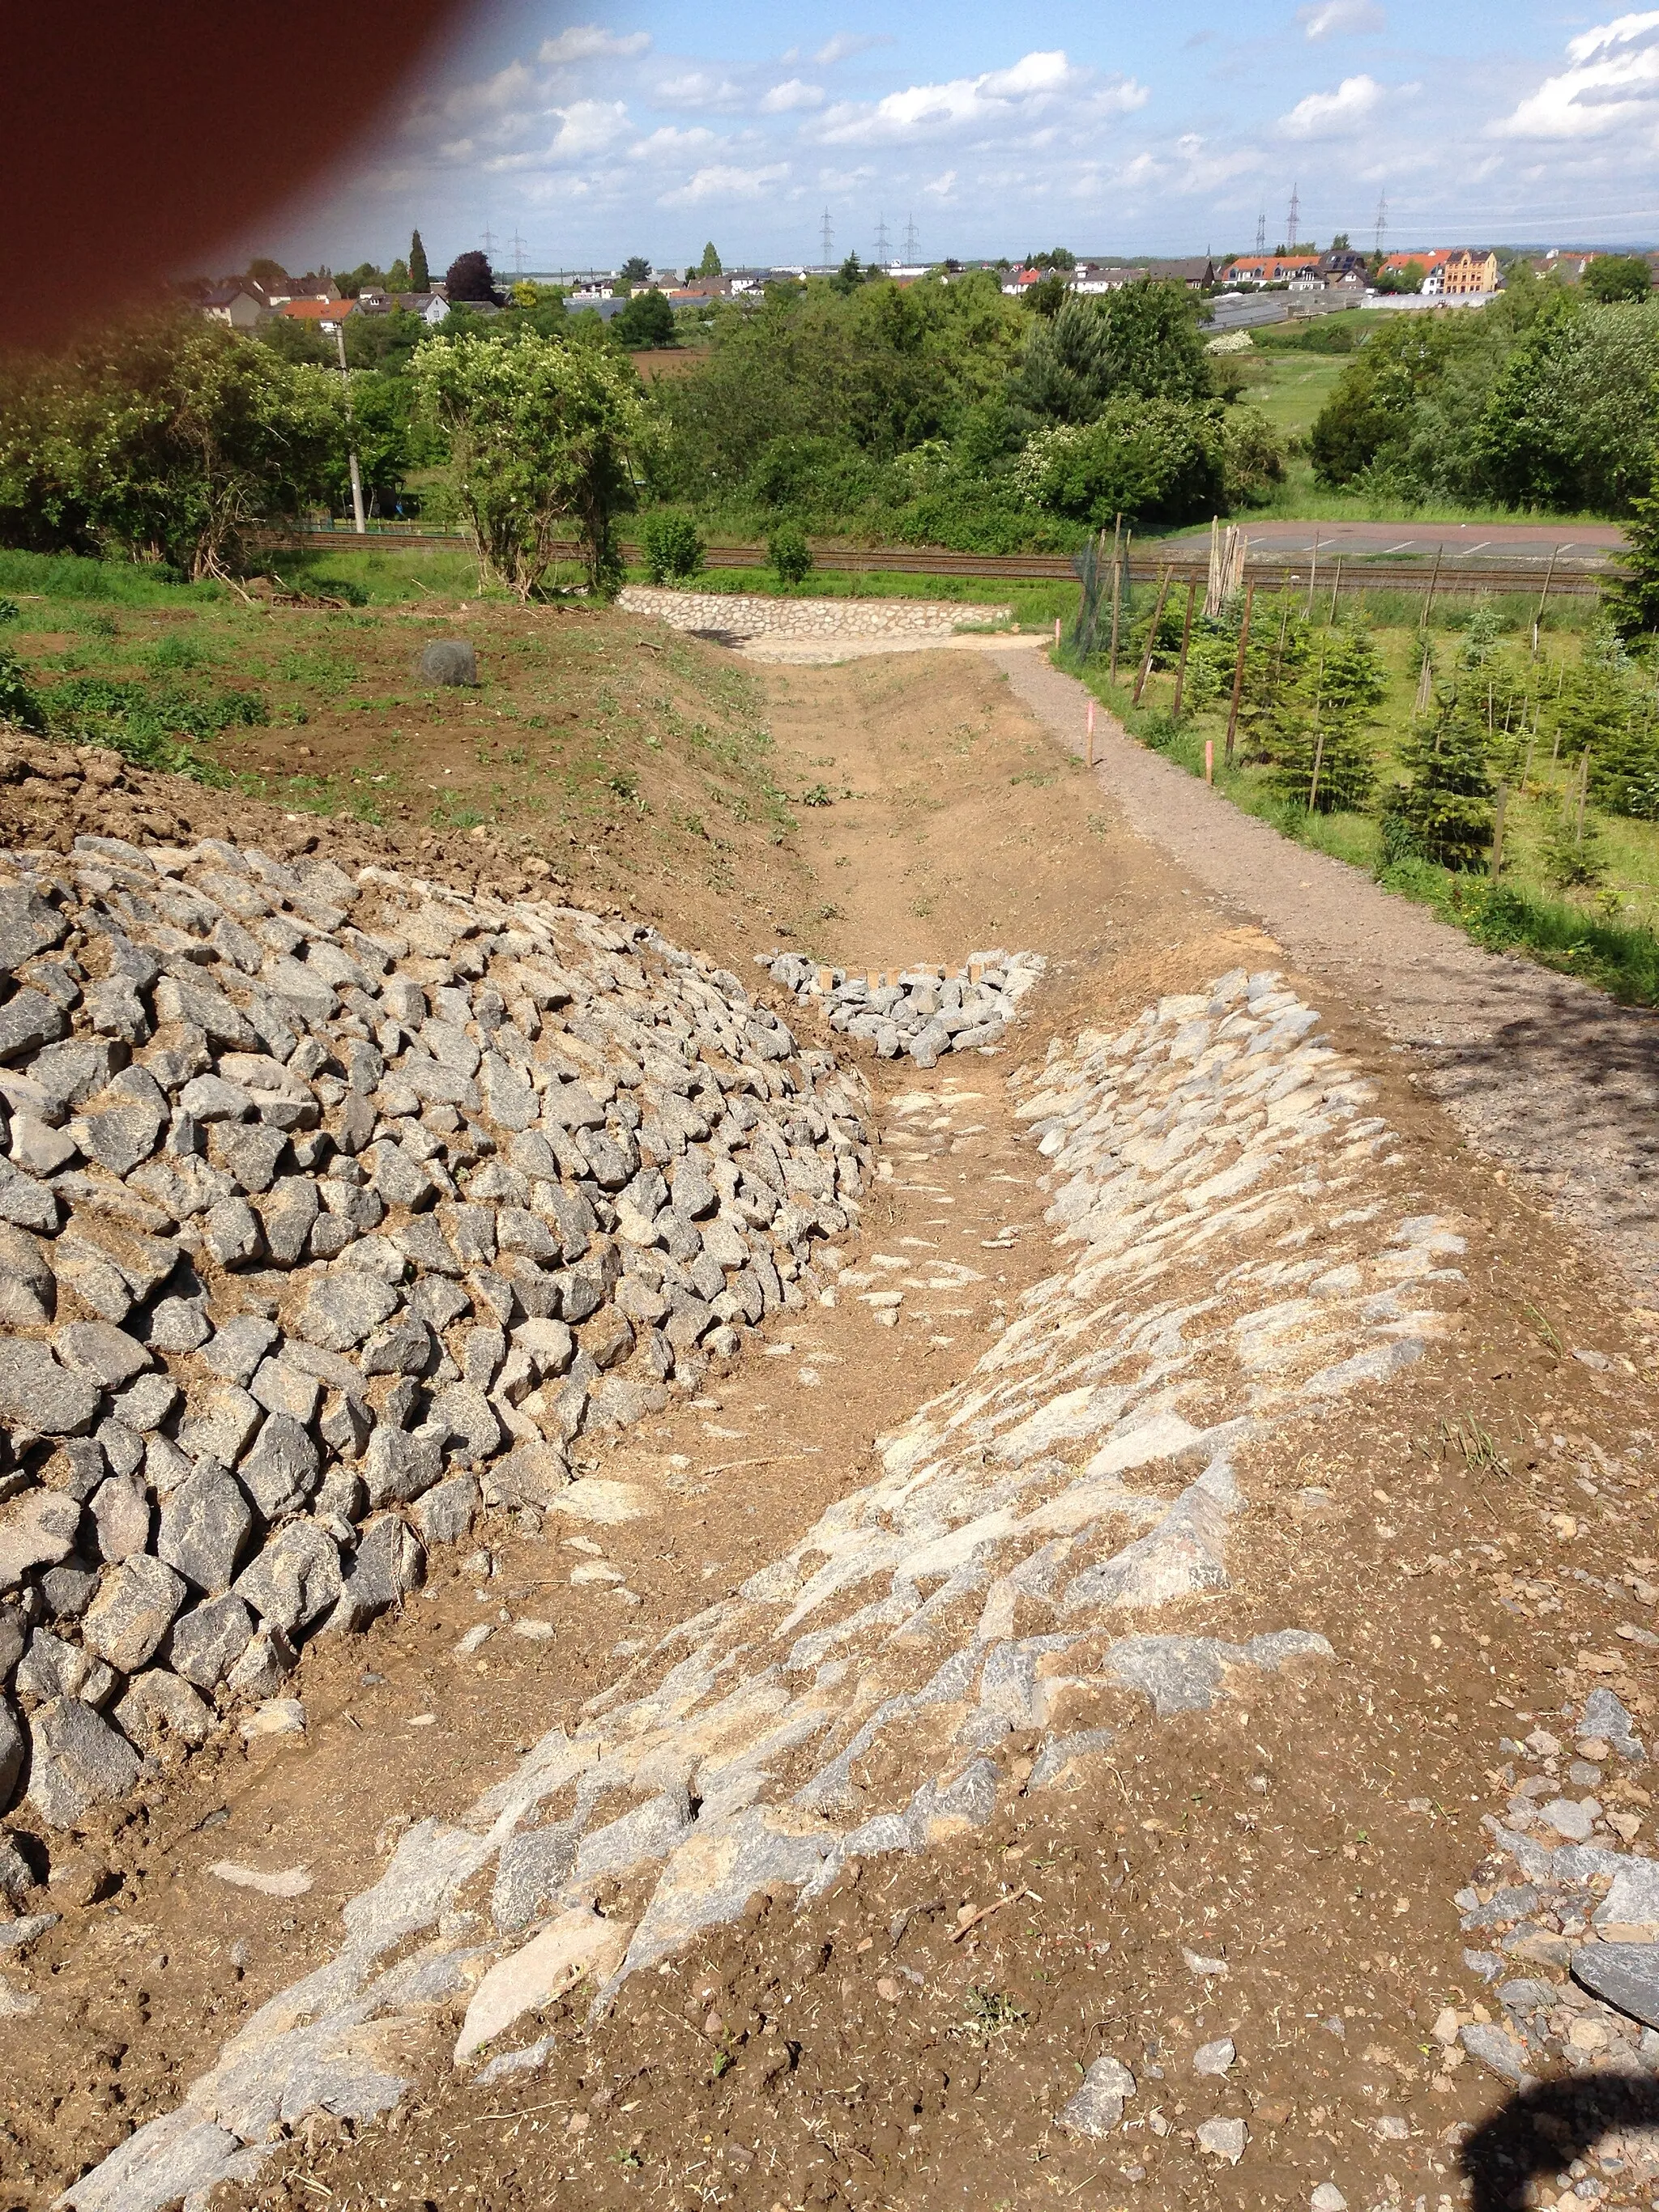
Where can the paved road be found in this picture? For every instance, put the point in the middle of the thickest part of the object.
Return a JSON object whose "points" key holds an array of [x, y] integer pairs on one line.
{"points": [[1576, 547], [1541, 1072]]}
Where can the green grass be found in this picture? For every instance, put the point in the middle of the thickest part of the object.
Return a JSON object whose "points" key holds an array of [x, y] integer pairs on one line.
{"points": [[391, 578], [1291, 388], [121, 583], [1611, 940]]}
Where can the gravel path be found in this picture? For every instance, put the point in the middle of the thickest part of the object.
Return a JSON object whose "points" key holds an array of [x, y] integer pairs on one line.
{"points": [[1540, 1071]]}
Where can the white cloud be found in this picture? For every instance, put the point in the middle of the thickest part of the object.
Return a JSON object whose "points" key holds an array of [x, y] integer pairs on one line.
{"points": [[942, 187], [1021, 95], [670, 145], [1330, 114], [587, 42], [792, 94], [1612, 81], [698, 88], [845, 45], [1351, 19], [587, 127], [722, 180]]}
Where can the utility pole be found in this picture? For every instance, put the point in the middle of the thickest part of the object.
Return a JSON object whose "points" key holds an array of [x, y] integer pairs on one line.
{"points": [[910, 240], [1381, 220], [351, 437], [828, 241], [883, 251], [1296, 218]]}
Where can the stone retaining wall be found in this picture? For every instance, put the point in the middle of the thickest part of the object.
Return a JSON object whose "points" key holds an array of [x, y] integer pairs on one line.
{"points": [[735, 614], [331, 1210]]}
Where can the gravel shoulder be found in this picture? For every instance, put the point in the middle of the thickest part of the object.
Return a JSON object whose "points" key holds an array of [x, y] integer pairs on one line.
{"points": [[1541, 1073]]}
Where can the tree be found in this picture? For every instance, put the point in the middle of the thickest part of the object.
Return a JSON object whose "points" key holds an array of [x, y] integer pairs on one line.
{"points": [[710, 263], [1618, 276], [270, 275], [1632, 603], [1446, 807], [1144, 339], [636, 270], [1568, 420], [542, 435], [420, 278], [647, 320], [470, 276], [166, 438], [1339, 243], [396, 277]]}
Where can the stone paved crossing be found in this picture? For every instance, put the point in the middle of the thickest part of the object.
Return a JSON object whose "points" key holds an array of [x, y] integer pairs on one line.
{"points": [[1233, 1245]]}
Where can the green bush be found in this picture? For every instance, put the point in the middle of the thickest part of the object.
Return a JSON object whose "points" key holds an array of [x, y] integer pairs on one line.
{"points": [[788, 555], [674, 547]]}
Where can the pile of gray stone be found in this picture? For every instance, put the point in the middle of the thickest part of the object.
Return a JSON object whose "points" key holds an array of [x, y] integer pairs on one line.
{"points": [[332, 1209], [1562, 1915], [920, 1012]]}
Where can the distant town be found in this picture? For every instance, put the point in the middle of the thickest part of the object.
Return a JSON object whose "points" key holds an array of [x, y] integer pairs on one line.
{"points": [[1340, 275]]}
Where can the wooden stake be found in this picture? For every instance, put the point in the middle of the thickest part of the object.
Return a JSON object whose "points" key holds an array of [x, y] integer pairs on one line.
{"points": [[1319, 731], [1209, 760], [1496, 862], [1238, 671], [1336, 586], [1186, 639], [1313, 573], [1151, 639], [1117, 597], [1583, 793], [1428, 596], [1543, 597], [1090, 752]]}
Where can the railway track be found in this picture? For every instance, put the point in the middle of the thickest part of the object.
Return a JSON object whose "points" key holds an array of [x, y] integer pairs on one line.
{"points": [[1354, 572]]}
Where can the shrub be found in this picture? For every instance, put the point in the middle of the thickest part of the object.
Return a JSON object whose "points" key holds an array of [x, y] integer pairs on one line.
{"points": [[1447, 805], [788, 553], [674, 547]]}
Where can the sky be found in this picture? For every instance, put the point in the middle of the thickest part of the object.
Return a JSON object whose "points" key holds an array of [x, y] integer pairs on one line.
{"points": [[572, 136]]}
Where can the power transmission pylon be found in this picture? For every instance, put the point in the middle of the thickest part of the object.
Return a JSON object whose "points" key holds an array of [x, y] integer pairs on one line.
{"points": [[1262, 232], [1296, 218], [829, 241], [1381, 219], [517, 244], [883, 251], [489, 242], [910, 241]]}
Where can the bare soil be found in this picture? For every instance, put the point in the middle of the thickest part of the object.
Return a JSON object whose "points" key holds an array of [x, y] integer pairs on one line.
{"points": [[886, 2047]]}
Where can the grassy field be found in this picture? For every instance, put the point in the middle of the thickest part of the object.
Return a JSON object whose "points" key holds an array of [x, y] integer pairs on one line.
{"points": [[1607, 933], [579, 729]]}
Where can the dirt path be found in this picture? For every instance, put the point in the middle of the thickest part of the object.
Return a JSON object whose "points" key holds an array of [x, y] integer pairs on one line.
{"points": [[1269, 1866], [1541, 1072]]}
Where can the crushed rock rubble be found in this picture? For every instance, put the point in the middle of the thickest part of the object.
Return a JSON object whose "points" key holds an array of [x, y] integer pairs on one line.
{"points": [[332, 1209], [920, 1012], [1562, 1921], [977, 1608]]}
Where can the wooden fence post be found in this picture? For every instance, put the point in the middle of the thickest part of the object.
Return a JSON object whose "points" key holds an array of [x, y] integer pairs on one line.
{"points": [[1495, 863], [1238, 671], [1117, 594], [1151, 639], [1186, 639]]}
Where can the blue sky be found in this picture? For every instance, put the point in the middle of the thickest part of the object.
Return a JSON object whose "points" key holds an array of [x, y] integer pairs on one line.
{"points": [[1111, 128]]}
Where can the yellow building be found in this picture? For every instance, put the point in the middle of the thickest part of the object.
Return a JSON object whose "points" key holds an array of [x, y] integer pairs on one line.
{"points": [[1466, 271]]}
